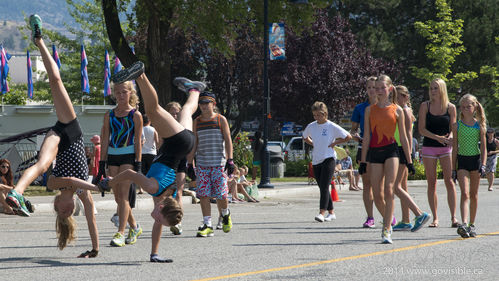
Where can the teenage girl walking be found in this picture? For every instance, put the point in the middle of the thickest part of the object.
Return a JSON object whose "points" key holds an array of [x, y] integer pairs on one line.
{"points": [[121, 146], [435, 119], [470, 155], [323, 135], [358, 122], [380, 122], [400, 188]]}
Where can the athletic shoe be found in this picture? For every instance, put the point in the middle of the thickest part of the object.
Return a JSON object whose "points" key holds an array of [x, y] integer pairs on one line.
{"points": [[118, 240], [35, 22], [386, 236], [319, 218], [133, 234], [116, 220], [205, 231], [220, 222], [103, 185], [29, 206], [176, 229], [394, 221], [471, 230], [185, 85], [129, 73], [420, 221], [330, 217], [402, 226], [16, 201], [226, 223], [463, 231], [369, 223]]}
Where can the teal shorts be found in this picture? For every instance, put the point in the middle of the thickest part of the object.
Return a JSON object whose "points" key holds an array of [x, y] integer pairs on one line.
{"points": [[164, 175]]}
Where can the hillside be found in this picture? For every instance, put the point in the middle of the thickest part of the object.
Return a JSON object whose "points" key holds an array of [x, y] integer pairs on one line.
{"points": [[53, 12]]}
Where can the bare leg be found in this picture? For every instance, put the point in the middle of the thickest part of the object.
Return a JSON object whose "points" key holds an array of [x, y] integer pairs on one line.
{"points": [[75, 183], [377, 175], [367, 192], [464, 183], [162, 120], [121, 197], [88, 203], [490, 179], [4, 189], [150, 185], [405, 198], [445, 162], [205, 206], [156, 228], [48, 152], [390, 171], [180, 179], [430, 167], [62, 103], [474, 184]]}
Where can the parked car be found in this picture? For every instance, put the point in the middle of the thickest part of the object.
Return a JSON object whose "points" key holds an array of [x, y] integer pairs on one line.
{"points": [[295, 150], [279, 143]]}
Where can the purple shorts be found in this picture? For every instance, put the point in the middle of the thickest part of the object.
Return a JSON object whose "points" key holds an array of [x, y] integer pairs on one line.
{"points": [[212, 182], [436, 152]]}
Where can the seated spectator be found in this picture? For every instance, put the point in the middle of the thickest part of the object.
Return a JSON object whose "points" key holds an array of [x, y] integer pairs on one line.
{"points": [[6, 184], [347, 168], [247, 185]]}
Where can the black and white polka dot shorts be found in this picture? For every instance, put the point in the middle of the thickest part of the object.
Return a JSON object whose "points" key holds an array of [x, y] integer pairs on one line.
{"points": [[72, 162]]}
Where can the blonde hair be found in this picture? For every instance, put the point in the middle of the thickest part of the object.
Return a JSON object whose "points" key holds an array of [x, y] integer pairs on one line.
{"points": [[319, 106], [479, 112], [371, 79], [385, 79], [173, 104], [172, 211], [442, 87], [134, 99], [64, 227]]}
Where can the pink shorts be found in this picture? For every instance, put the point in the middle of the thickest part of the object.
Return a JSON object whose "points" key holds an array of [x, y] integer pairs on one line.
{"points": [[436, 152], [212, 182]]}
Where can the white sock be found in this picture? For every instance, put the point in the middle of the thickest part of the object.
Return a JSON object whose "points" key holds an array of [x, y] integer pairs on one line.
{"points": [[207, 220], [225, 212]]}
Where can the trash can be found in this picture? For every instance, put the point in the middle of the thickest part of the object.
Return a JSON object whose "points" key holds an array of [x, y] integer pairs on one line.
{"points": [[277, 169]]}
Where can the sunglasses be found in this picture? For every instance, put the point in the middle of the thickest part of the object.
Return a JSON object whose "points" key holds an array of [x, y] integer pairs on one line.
{"points": [[4, 166]]}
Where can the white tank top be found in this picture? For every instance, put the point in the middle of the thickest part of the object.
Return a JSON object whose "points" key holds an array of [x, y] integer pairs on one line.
{"points": [[149, 146]]}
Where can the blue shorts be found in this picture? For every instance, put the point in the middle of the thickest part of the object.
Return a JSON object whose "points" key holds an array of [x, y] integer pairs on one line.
{"points": [[164, 175]]}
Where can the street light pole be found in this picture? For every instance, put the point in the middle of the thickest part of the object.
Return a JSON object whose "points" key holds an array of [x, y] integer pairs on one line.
{"points": [[265, 171]]}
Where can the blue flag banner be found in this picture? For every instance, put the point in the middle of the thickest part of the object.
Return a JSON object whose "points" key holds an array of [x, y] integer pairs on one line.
{"points": [[117, 65], [55, 55], [4, 70], [85, 87], [276, 41], [30, 76], [107, 75]]}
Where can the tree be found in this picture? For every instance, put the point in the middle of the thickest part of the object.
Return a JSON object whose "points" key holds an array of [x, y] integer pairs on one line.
{"points": [[444, 46], [325, 65], [214, 21]]}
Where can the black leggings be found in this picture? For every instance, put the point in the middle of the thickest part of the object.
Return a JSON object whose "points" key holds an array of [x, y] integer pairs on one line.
{"points": [[323, 174]]}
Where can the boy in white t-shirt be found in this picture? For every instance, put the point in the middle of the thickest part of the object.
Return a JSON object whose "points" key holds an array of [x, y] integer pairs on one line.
{"points": [[323, 135]]}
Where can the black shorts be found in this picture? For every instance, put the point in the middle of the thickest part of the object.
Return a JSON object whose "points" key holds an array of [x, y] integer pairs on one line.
{"points": [[120, 159], [358, 157], [402, 159], [69, 133], [380, 154], [182, 166], [147, 162], [175, 148], [468, 163]]}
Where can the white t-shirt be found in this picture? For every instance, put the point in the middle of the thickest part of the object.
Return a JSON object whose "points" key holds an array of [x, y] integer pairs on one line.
{"points": [[323, 135], [149, 146]]}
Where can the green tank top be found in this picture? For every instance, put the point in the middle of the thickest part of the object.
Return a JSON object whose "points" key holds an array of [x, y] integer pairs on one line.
{"points": [[468, 138], [397, 136]]}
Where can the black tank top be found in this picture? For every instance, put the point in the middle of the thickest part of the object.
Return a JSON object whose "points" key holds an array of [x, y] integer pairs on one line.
{"points": [[491, 146], [438, 125]]}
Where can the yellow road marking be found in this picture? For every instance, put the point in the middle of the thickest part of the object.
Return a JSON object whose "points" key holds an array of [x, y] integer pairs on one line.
{"points": [[341, 259]]}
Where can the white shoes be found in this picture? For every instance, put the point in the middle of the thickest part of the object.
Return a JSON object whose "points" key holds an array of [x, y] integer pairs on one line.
{"points": [[319, 218], [330, 217]]}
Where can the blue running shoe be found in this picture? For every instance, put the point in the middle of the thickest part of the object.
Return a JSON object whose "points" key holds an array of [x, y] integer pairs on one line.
{"points": [[402, 226], [185, 85], [420, 221], [16, 201]]}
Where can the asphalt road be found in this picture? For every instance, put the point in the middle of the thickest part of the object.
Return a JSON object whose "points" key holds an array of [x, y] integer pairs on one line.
{"points": [[276, 239]]}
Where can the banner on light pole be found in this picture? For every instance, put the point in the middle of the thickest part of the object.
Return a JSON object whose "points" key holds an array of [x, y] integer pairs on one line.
{"points": [[276, 41]]}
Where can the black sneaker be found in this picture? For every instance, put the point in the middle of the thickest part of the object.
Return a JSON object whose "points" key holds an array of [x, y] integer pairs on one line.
{"points": [[463, 231], [29, 206], [129, 73], [471, 230], [185, 85], [35, 22]]}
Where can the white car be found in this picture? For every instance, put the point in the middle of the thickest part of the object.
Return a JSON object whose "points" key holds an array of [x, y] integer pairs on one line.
{"points": [[295, 150]]}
